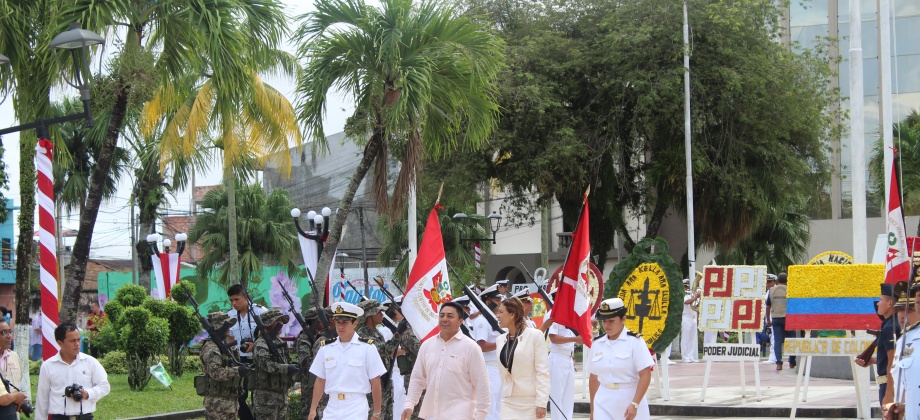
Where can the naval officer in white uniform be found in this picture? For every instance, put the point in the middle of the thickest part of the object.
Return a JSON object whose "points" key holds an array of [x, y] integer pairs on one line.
{"points": [[347, 368]]}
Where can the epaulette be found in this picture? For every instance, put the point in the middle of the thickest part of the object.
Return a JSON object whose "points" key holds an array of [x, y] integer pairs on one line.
{"points": [[366, 340], [912, 327], [634, 334], [324, 342], [599, 337]]}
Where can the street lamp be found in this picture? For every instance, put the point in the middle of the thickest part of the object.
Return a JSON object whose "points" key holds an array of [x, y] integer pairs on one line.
{"points": [[72, 44], [319, 226], [341, 256], [153, 238], [495, 222]]}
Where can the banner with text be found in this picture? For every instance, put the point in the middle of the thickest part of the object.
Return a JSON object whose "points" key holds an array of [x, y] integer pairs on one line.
{"points": [[731, 352], [826, 346]]}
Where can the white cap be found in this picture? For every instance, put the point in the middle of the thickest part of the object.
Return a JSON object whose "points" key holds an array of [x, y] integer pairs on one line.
{"points": [[346, 310], [489, 291], [502, 282]]}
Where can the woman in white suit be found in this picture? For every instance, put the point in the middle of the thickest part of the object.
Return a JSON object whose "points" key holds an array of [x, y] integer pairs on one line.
{"points": [[522, 352]]}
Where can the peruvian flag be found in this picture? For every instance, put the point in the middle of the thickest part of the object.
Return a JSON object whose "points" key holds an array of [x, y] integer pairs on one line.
{"points": [[897, 261], [572, 307], [166, 271], [428, 285]]}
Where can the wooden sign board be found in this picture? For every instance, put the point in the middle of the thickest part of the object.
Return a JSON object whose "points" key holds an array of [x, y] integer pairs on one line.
{"points": [[731, 352]]}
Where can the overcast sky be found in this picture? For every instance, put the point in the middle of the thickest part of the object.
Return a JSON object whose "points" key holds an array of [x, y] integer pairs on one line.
{"points": [[111, 237]]}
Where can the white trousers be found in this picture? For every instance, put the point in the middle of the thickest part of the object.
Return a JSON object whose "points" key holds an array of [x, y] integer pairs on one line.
{"points": [[495, 392], [772, 353], [611, 404], [689, 345], [353, 407], [561, 386], [399, 393]]}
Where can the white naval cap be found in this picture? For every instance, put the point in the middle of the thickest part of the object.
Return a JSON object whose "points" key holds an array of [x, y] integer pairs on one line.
{"points": [[346, 310], [502, 282], [489, 292], [610, 308]]}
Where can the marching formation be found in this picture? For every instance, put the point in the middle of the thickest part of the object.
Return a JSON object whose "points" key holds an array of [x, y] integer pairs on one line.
{"points": [[365, 361]]}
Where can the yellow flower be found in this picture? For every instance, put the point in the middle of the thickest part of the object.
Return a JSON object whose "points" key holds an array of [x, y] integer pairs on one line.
{"points": [[856, 280]]}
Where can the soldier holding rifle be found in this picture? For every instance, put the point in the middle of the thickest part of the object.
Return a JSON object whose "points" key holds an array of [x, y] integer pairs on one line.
{"points": [[222, 378]]}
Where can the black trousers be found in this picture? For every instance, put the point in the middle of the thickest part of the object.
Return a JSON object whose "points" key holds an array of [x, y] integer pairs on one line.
{"points": [[245, 413]]}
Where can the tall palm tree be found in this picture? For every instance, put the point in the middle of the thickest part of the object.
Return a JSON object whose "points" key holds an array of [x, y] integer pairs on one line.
{"points": [[203, 36], [28, 27], [423, 76], [777, 243], [265, 227]]}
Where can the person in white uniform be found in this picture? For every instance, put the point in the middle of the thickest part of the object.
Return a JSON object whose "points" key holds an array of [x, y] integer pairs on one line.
{"points": [[485, 336], [620, 368], [562, 370], [905, 372], [347, 369], [689, 345]]}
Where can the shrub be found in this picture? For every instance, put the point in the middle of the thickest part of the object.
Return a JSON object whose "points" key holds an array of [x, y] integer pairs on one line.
{"points": [[131, 295], [114, 363], [294, 405], [35, 367], [192, 364]]}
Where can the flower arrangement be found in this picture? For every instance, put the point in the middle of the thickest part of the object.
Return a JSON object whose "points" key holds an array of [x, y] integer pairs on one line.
{"points": [[818, 281]]}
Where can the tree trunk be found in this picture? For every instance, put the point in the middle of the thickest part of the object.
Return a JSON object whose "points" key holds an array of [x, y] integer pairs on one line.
{"points": [[371, 150], [81, 247], [230, 185], [145, 227], [654, 222], [25, 245]]}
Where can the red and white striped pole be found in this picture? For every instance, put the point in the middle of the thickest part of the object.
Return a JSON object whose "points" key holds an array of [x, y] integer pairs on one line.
{"points": [[477, 253], [47, 246]]}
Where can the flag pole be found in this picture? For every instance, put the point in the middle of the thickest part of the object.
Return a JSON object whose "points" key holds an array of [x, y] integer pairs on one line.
{"points": [[691, 234], [577, 223]]}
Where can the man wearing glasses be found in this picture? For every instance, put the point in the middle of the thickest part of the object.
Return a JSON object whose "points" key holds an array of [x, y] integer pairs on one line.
{"points": [[10, 397]]}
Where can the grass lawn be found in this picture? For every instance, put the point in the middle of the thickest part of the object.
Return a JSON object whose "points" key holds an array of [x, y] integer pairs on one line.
{"points": [[155, 399]]}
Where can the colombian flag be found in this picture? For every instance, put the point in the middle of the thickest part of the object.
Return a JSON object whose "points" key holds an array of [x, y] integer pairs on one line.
{"points": [[833, 297]]}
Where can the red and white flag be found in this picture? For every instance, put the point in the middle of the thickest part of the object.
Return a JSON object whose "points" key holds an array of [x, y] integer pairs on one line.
{"points": [[897, 261], [573, 302], [428, 284], [166, 271]]}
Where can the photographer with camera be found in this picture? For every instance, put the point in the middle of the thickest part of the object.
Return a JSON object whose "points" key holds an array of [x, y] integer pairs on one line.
{"points": [[70, 383], [11, 370]]}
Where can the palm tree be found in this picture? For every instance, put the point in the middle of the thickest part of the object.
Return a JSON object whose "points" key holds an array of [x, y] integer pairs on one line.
{"points": [[422, 75], [906, 135], [266, 233], [202, 36], [28, 27], [777, 243]]}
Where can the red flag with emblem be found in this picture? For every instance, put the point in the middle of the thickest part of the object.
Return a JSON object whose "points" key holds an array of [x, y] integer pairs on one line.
{"points": [[897, 261], [428, 285], [573, 302]]}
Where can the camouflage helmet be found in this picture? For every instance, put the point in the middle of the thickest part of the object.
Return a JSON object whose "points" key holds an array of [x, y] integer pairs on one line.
{"points": [[370, 307], [218, 318], [270, 316], [311, 313]]}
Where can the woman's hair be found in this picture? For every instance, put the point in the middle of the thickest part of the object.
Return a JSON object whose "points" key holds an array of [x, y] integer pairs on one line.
{"points": [[516, 309]]}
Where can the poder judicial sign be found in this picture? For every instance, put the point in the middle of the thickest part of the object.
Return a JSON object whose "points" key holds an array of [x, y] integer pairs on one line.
{"points": [[731, 352]]}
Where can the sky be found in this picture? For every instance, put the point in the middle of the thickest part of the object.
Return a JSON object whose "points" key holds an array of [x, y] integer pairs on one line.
{"points": [[111, 237]]}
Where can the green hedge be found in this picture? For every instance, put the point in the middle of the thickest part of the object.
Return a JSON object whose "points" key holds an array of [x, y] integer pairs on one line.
{"points": [[114, 363]]}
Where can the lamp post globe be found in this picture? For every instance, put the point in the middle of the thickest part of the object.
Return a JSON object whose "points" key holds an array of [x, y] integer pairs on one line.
{"points": [[495, 221], [318, 220], [327, 212], [295, 212], [181, 237]]}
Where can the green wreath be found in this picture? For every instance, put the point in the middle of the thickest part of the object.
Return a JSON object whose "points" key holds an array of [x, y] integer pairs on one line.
{"points": [[642, 254]]}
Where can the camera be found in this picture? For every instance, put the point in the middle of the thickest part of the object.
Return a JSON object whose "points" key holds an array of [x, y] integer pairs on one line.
{"points": [[73, 391], [26, 409]]}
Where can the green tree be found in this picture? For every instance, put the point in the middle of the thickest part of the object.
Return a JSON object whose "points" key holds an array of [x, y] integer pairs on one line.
{"points": [[201, 36], [183, 327], [423, 79], [135, 330], [266, 233], [780, 241], [595, 94], [906, 135]]}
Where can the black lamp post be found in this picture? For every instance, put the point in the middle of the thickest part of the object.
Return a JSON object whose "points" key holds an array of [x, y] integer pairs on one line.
{"points": [[153, 238], [495, 222], [74, 43], [319, 226]]}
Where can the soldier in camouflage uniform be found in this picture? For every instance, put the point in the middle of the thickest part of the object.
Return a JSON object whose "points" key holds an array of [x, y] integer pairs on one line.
{"points": [[305, 354], [220, 383], [273, 373], [322, 337], [368, 329]]}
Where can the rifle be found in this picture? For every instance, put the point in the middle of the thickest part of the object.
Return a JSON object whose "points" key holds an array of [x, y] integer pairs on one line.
{"points": [[217, 337], [269, 336], [483, 309], [320, 311], [311, 336], [387, 322]]}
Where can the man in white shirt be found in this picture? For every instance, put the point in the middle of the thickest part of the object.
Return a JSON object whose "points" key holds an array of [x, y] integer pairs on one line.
{"points": [[67, 368], [244, 332], [347, 369], [450, 367], [485, 336], [562, 370]]}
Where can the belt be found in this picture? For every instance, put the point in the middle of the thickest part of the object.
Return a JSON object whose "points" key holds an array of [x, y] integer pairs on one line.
{"points": [[346, 396], [621, 386], [566, 353], [88, 416], [493, 363], [881, 379]]}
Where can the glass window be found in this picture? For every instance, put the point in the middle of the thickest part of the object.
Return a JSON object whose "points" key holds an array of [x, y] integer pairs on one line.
{"points": [[906, 8], [904, 103], [807, 12], [869, 39], [870, 76], [806, 37], [868, 9], [904, 36], [907, 76]]}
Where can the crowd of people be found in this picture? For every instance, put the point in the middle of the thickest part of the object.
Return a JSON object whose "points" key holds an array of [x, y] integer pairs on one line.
{"points": [[351, 365]]}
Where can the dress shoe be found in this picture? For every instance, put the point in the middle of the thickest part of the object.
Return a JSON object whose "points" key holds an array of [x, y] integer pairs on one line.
{"points": [[779, 367], [792, 365]]}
